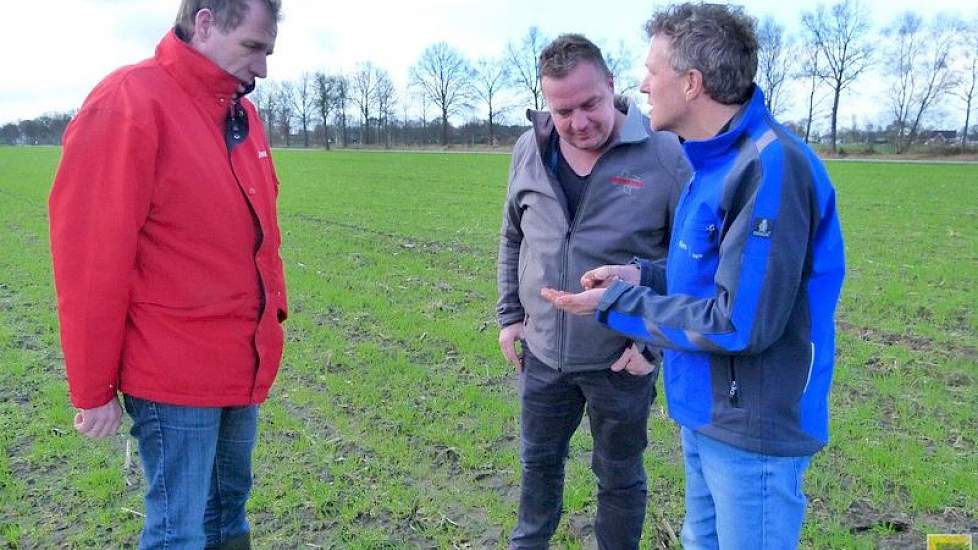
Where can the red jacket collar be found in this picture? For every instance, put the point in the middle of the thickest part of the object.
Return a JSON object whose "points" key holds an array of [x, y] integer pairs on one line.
{"points": [[196, 74]]}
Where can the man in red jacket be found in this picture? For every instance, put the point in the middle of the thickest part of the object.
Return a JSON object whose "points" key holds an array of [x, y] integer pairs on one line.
{"points": [[165, 242]]}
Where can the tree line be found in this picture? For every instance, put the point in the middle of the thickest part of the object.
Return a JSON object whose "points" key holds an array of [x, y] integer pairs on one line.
{"points": [[46, 129], [363, 107], [928, 64], [925, 64]]}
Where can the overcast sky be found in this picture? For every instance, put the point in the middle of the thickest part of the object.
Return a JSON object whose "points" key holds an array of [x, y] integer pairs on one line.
{"points": [[57, 50]]}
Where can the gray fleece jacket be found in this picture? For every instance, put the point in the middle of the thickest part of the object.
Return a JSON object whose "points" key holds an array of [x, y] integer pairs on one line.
{"points": [[625, 212]]}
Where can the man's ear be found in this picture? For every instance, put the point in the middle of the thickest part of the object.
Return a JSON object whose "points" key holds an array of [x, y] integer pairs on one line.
{"points": [[204, 24], [692, 84]]}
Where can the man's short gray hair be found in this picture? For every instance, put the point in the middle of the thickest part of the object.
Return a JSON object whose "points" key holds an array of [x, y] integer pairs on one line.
{"points": [[717, 40], [566, 52], [228, 13]]}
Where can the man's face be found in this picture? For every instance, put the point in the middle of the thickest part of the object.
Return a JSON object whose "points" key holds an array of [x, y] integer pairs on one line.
{"points": [[664, 86], [582, 105], [241, 51]]}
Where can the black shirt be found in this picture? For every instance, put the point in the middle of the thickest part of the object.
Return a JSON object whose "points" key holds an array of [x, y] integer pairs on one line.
{"points": [[573, 185]]}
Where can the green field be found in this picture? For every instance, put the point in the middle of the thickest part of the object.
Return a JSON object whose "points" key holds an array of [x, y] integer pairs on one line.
{"points": [[394, 420]]}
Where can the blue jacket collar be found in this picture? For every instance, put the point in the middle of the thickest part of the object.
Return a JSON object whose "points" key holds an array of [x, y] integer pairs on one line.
{"points": [[701, 152]]}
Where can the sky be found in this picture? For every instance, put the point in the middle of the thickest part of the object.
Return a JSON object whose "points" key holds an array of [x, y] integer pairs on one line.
{"points": [[59, 49]]}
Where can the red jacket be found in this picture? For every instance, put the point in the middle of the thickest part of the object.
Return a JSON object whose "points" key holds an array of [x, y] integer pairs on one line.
{"points": [[155, 232]]}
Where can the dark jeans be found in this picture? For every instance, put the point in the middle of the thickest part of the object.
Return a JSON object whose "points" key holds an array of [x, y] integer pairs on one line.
{"points": [[552, 404], [197, 462]]}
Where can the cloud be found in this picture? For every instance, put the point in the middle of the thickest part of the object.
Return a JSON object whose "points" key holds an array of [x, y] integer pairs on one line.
{"points": [[59, 49]]}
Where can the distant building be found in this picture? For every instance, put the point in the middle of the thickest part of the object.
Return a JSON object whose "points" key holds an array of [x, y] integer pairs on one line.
{"points": [[940, 137]]}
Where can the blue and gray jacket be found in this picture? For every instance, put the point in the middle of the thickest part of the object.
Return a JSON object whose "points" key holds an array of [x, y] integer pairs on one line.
{"points": [[744, 303]]}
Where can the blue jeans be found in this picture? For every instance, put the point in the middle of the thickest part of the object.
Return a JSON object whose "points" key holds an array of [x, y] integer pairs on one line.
{"points": [[197, 462], [739, 500], [552, 404]]}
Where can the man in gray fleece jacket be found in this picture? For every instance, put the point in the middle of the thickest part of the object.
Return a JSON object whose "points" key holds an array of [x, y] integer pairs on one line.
{"points": [[589, 185]]}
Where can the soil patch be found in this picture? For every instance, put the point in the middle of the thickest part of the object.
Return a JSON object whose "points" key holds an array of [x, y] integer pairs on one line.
{"points": [[915, 343]]}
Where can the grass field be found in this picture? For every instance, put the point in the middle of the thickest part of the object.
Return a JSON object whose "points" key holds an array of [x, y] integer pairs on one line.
{"points": [[394, 420]]}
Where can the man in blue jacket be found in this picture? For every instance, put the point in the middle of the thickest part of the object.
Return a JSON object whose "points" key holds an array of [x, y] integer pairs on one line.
{"points": [[745, 300]]}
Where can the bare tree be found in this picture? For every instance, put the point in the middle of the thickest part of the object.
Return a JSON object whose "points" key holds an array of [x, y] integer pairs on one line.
{"points": [[621, 62], [525, 66], [363, 85], [10, 134], [841, 34], [342, 101], [905, 49], [491, 78], [967, 84], [303, 104], [31, 131], [386, 101], [812, 71], [264, 99], [919, 64], [422, 99], [445, 77], [285, 108], [325, 87], [775, 59]]}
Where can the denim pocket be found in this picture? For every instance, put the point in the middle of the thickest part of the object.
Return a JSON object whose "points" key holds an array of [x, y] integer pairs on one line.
{"points": [[624, 379]]}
